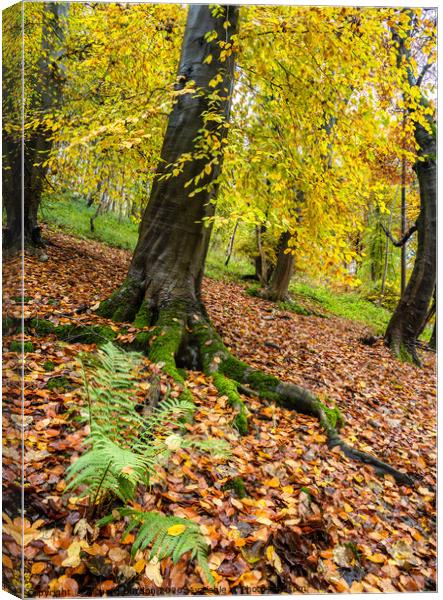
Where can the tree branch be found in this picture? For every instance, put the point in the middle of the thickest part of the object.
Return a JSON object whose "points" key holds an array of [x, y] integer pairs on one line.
{"points": [[401, 242]]}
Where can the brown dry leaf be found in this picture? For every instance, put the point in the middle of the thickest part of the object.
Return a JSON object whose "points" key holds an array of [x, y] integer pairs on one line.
{"points": [[343, 556], [152, 572], [403, 554], [73, 558], [215, 560], [118, 554], [274, 559]]}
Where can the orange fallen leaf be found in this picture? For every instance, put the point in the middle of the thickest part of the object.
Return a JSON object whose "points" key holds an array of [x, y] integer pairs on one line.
{"points": [[38, 567]]}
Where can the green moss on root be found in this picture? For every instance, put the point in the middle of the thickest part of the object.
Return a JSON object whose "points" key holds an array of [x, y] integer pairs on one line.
{"points": [[143, 317], [42, 326], [57, 383], [120, 305], [264, 384], [85, 334], [227, 387], [237, 485], [16, 346], [165, 340], [7, 324], [22, 299], [405, 355], [141, 342], [234, 368], [333, 415]]}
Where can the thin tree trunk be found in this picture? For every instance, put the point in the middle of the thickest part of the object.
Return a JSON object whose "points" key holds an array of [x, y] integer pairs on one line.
{"points": [[403, 225], [231, 243], [262, 269], [37, 146], [386, 257], [433, 340], [385, 265]]}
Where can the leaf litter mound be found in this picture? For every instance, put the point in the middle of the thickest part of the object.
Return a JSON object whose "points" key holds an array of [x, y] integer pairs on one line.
{"points": [[282, 514]]}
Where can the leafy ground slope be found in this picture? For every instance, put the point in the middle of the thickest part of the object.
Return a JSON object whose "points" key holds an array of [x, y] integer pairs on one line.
{"points": [[311, 520]]}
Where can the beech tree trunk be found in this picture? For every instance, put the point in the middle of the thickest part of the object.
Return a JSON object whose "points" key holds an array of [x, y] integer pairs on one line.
{"points": [[22, 216], [409, 317], [167, 266], [277, 289]]}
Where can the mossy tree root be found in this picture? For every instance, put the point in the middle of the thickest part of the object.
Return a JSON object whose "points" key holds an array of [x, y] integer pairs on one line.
{"points": [[217, 360], [163, 343]]}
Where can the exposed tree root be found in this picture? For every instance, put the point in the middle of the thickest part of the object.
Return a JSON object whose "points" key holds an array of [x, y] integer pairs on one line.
{"points": [[183, 340], [218, 359]]}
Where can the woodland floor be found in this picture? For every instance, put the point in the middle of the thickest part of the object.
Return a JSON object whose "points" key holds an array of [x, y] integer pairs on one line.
{"points": [[333, 524]]}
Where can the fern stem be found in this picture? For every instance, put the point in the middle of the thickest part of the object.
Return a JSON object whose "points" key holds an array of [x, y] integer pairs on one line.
{"points": [[99, 488]]}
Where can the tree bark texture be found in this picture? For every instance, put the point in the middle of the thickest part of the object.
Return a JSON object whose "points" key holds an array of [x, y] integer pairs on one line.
{"points": [[411, 312]]}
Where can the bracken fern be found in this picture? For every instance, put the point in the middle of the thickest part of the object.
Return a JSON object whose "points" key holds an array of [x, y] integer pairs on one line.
{"points": [[166, 535], [125, 448]]}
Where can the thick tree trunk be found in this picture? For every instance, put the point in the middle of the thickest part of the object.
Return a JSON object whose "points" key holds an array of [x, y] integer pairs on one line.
{"points": [[22, 215], [279, 284], [168, 261], [411, 312]]}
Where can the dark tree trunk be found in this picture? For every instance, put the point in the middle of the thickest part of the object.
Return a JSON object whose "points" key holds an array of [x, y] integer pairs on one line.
{"points": [[279, 284], [167, 266], [22, 217], [411, 312], [433, 340], [263, 266]]}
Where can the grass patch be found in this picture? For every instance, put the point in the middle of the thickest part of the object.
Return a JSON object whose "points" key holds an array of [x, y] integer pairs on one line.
{"points": [[238, 265], [346, 305], [73, 216]]}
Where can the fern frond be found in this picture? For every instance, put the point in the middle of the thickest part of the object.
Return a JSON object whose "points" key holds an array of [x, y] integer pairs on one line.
{"points": [[109, 385], [107, 467], [167, 413], [157, 530]]}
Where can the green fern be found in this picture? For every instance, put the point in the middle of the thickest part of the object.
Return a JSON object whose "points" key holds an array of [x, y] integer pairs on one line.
{"points": [[124, 447], [154, 531], [107, 467]]}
